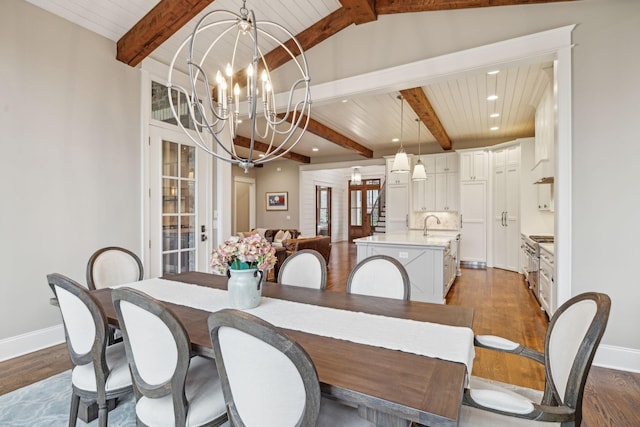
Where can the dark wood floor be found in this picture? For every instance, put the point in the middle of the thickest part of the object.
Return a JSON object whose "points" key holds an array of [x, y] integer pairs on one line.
{"points": [[503, 306]]}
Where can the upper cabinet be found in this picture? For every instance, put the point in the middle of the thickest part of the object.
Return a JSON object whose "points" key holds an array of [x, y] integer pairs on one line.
{"points": [[545, 132], [439, 192], [396, 177], [446, 163], [474, 165]]}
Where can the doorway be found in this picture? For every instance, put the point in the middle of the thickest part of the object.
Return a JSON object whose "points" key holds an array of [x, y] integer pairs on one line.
{"points": [[362, 206], [178, 196], [244, 204], [323, 211]]}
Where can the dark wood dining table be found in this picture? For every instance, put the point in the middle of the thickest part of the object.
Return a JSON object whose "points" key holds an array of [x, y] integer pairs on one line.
{"points": [[390, 387]]}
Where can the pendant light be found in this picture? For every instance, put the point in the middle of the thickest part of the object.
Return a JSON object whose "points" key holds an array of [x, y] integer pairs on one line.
{"points": [[356, 176], [419, 173], [401, 161]]}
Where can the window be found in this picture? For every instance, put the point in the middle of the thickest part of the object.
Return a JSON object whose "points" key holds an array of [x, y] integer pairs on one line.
{"points": [[161, 109]]}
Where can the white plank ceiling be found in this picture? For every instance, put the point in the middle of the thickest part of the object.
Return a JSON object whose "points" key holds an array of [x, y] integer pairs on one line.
{"points": [[373, 121]]}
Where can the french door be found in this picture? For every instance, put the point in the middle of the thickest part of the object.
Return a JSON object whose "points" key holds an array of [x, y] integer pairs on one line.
{"points": [[323, 211], [362, 207], [178, 200]]}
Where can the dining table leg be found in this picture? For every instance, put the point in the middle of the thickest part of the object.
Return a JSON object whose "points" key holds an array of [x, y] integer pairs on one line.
{"points": [[382, 419]]}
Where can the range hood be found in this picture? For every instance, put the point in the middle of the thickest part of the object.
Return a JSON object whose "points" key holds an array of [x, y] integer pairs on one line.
{"points": [[545, 180]]}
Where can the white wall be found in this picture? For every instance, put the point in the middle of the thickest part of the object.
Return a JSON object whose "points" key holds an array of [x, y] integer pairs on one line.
{"points": [[70, 162], [338, 180], [278, 176]]}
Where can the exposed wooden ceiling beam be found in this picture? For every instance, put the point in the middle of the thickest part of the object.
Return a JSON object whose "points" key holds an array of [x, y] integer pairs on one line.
{"points": [[384, 7], [361, 11], [418, 101], [241, 141], [318, 32], [167, 17], [317, 128]]}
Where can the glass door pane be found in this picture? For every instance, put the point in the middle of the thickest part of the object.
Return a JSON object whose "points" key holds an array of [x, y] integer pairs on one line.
{"points": [[178, 208]]}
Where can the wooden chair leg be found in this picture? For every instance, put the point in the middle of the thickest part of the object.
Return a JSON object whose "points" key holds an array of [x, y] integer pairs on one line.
{"points": [[103, 414], [73, 413]]}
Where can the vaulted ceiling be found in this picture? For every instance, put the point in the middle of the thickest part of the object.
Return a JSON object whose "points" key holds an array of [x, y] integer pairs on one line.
{"points": [[450, 113]]}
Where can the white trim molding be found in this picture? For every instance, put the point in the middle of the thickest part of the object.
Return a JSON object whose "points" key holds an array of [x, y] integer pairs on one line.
{"points": [[31, 341], [620, 358]]}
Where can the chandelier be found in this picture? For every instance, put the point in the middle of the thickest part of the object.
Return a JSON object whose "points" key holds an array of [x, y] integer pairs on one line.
{"points": [[240, 89]]}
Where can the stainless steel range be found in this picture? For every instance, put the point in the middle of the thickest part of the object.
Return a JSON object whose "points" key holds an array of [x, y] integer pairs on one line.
{"points": [[532, 263]]}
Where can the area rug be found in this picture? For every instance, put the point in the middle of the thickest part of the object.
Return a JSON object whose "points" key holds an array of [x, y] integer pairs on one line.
{"points": [[47, 402]]}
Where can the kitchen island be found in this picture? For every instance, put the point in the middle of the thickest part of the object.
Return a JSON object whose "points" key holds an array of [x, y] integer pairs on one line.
{"points": [[430, 261]]}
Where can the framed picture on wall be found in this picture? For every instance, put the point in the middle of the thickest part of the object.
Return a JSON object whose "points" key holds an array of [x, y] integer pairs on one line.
{"points": [[277, 201]]}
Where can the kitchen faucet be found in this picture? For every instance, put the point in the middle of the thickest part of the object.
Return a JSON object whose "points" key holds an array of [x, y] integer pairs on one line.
{"points": [[424, 232]]}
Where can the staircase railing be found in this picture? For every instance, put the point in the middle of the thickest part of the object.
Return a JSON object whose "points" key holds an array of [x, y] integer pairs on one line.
{"points": [[374, 216]]}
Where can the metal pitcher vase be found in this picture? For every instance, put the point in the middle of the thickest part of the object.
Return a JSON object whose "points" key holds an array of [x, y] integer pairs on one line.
{"points": [[244, 288]]}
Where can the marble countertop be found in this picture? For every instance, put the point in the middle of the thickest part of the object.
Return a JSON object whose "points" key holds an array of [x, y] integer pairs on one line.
{"points": [[437, 239]]}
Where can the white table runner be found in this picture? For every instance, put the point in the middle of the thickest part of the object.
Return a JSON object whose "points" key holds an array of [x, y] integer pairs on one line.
{"points": [[445, 342]]}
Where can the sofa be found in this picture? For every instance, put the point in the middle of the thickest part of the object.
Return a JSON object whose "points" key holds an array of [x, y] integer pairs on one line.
{"points": [[322, 244], [275, 236]]}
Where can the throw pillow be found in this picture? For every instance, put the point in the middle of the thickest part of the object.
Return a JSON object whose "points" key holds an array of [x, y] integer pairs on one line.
{"points": [[278, 237]]}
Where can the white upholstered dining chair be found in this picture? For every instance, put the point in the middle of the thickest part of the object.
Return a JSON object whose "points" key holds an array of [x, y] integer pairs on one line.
{"points": [[172, 388], [572, 338], [306, 268], [112, 266], [380, 276], [99, 372], [268, 380]]}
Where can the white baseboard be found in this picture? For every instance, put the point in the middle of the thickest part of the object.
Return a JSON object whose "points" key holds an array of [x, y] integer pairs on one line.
{"points": [[32, 341], [620, 358]]}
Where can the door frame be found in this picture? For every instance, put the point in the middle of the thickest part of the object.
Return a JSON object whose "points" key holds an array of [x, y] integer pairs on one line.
{"points": [[329, 190], [252, 201], [153, 254]]}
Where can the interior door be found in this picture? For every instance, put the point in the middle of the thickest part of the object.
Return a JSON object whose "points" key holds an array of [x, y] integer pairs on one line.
{"points": [[362, 200], [323, 211], [178, 198]]}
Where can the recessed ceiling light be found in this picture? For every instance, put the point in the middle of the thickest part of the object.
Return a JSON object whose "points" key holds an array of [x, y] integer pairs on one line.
{"points": [[345, 100], [260, 155], [492, 72], [495, 128], [395, 140], [494, 115], [314, 149], [492, 97]]}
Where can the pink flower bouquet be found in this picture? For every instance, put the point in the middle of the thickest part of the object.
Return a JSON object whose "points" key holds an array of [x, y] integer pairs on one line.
{"points": [[242, 254]]}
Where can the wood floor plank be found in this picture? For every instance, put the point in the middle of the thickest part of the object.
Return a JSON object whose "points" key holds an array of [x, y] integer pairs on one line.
{"points": [[503, 306]]}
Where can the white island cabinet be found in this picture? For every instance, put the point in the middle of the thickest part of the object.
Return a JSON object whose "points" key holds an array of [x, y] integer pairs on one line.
{"points": [[429, 260]]}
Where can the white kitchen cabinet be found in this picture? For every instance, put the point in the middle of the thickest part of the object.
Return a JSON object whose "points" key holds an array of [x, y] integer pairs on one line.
{"points": [[429, 264], [546, 283], [545, 126], [396, 200], [545, 197], [506, 207], [396, 177], [446, 163], [447, 191], [474, 165], [473, 218], [424, 194]]}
